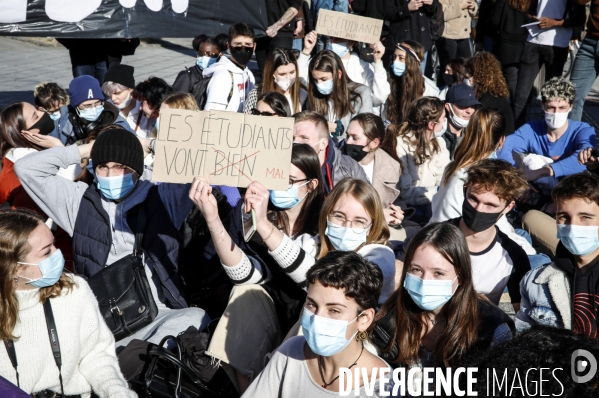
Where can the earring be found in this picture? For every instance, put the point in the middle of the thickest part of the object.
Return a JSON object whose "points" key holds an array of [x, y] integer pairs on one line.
{"points": [[16, 280], [362, 336]]}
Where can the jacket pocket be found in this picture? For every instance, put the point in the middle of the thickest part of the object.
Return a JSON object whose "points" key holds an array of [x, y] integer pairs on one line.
{"points": [[544, 316]]}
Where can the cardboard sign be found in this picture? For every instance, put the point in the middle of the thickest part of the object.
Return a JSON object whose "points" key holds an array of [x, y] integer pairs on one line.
{"points": [[227, 148], [349, 26]]}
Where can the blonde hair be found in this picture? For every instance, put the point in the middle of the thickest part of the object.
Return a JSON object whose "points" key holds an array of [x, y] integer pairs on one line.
{"points": [[181, 101], [369, 198]]}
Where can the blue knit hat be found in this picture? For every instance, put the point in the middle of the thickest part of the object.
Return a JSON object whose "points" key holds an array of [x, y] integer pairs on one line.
{"points": [[84, 88]]}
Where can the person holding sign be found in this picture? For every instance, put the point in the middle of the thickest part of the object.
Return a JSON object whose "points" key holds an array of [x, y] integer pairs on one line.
{"points": [[280, 75], [372, 75], [333, 94], [407, 81]]}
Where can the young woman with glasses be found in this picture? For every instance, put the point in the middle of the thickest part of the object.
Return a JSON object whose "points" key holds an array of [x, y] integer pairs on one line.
{"points": [[272, 103]]}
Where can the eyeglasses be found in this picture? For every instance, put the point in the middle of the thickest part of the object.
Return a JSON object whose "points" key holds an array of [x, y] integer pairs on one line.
{"points": [[256, 112], [96, 104], [358, 226], [292, 182], [208, 54]]}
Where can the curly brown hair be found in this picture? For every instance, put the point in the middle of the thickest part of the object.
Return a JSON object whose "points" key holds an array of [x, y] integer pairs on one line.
{"points": [[488, 76]]}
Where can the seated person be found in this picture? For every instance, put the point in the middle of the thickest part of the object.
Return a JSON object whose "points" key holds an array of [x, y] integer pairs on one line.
{"points": [[230, 79], [151, 93], [436, 317], [271, 103], [311, 128], [460, 104], [88, 110], [373, 75], [351, 219], [491, 190], [118, 86], [99, 218], [208, 52], [32, 277], [455, 73], [555, 137], [423, 156], [54, 100], [333, 94], [343, 292], [563, 294]]}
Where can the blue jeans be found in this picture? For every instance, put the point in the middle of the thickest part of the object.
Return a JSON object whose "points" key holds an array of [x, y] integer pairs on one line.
{"points": [[536, 260], [584, 73], [96, 70]]}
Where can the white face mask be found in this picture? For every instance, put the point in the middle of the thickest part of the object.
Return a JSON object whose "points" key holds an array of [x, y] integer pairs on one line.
{"points": [[284, 84], [556, 120], [467, 81], [443, 129], [456, 120], [126, 102]]}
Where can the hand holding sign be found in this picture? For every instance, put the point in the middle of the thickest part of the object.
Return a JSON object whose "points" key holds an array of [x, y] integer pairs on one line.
{"points": [[225, 147], [349, 26]]}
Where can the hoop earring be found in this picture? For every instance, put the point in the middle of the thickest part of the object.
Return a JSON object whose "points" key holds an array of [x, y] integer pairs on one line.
{"points": [[362, 336]]}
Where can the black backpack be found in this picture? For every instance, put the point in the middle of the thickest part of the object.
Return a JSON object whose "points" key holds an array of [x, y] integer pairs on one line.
{"points": [[437, 23], [201, 87]]}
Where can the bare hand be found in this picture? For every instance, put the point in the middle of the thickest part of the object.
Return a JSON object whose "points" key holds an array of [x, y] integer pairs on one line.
{"points": [[379, 51], [299, 27], [256, 197], [393, 214], [414, 5], [585, 157], [200, 194], [465, 4], [332, 127], [310, 42], [271, 31], [546, 22], [45, 141], [427, 2]]}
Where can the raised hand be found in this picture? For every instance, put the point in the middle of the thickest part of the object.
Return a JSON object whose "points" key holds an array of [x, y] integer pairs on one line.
{"points": [[200, 194], [45, 141]]}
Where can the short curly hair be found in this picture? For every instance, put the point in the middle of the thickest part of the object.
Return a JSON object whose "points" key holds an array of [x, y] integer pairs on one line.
{"points": [[498, 176], [488, 76], [558, 88], [360, 279], [577, 186]]}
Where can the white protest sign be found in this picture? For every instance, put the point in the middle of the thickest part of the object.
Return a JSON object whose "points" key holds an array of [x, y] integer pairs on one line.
{"points": [[349, 26], [227, 148]]}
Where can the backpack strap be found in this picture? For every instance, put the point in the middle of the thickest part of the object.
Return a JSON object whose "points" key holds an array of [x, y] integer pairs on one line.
{"points": [[12, 354], [139, 233], [232, 87], [54, 343]]}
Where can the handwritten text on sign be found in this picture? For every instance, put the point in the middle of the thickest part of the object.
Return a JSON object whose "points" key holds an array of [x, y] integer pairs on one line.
{"points": [[227, 148], [348, 26]]}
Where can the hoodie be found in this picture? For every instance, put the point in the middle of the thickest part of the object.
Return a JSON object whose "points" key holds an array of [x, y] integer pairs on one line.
{"points": [[221, 88]]}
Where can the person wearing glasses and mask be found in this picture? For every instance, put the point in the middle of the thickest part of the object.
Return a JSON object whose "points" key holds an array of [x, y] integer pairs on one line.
{"points": [[343, 292], [208, 53], [88, 110], [435, 318], [230, 79]]}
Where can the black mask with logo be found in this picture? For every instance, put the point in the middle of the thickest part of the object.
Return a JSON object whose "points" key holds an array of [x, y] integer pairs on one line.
{"points": [[477, 221], [45, 125], [355, 151], [242, 55]]}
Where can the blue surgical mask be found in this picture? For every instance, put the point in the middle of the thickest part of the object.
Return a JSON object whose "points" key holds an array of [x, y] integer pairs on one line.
{"points": [[204, 62], [345, 239], [91, 114], [340, 49], [90, 167], [54, 115], [325, 88], [428, 294], [578, 239], [493, 154], [287, 199], [157, 123], [399, 68], [117, 187], [51, 269], [325, 336]]}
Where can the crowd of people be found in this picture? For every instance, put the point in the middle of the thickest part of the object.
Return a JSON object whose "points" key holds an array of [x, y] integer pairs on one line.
{"points": [[420, 196]]}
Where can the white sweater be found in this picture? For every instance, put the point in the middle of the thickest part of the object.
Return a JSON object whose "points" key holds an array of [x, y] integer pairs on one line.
{"points": [[86, 345], [418, 184], [447, 204]]}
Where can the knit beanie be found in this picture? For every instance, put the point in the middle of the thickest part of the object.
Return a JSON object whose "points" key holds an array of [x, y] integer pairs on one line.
{"points": [[84, 88], [120, 146], [121, 74]]}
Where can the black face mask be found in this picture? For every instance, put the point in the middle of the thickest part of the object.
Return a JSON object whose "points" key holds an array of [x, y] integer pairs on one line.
{"points": [[448, 79], [477, 221], [242, 55], [355, 151], [45, 125]]}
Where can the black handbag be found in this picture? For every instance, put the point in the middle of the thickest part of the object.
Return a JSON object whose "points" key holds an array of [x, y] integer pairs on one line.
{"points": [[123, 291]]}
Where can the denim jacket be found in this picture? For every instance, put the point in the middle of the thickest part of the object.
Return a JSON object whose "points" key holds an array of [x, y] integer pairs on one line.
{"points": [[546, 299]]}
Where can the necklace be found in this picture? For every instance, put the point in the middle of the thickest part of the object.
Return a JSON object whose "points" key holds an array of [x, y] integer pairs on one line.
{"points": [[433, 321], [324, 383]]}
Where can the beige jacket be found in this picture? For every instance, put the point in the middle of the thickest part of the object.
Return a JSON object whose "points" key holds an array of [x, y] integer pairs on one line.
{"points": [[458, 22], [418, 184], [385, 177]]}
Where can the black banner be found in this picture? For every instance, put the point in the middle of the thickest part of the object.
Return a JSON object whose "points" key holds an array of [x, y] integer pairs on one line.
{"points": [[128, 18]]}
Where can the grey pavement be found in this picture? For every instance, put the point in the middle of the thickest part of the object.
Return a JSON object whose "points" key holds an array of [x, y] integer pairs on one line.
{"points": [[24, 64]]}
